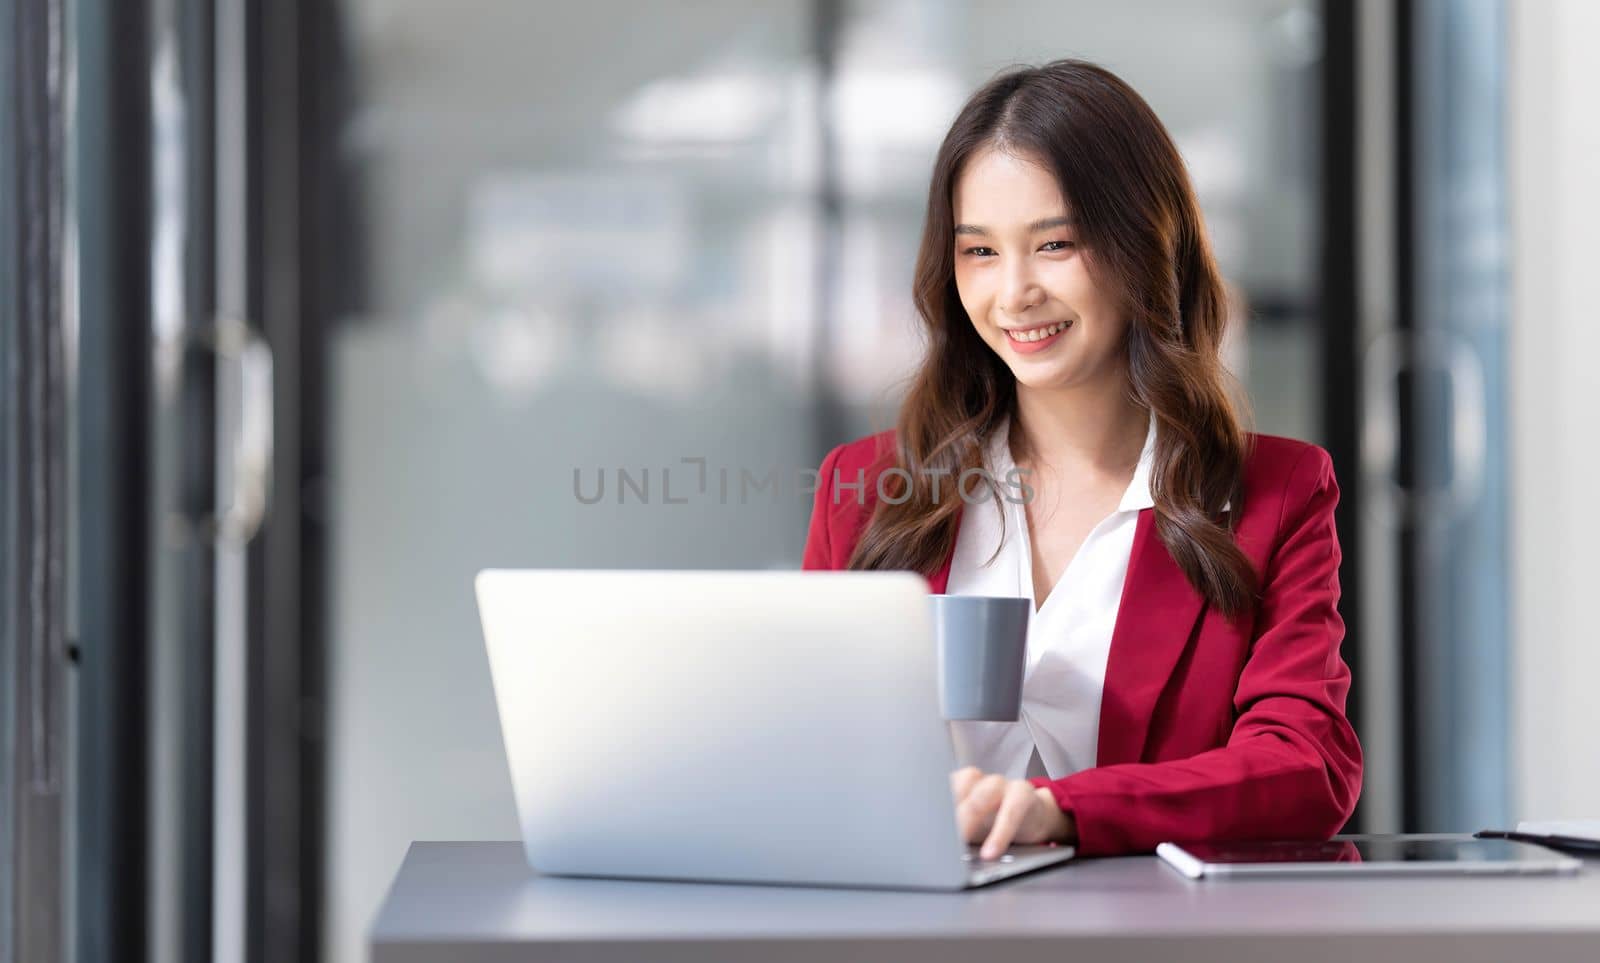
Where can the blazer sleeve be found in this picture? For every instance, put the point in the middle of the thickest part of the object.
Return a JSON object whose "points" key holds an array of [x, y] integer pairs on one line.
{"points": [[1291, 768], [818, 552]]}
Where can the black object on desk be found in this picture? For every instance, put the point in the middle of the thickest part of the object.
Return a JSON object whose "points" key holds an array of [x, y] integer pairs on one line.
{"points": [[1575, 845]]}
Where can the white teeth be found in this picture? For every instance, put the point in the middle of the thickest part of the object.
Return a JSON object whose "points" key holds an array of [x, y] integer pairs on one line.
{"points": [[1039, 334]]}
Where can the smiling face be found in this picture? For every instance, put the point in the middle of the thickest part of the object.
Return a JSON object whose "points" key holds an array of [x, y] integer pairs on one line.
{"points": [[1026, 283]]}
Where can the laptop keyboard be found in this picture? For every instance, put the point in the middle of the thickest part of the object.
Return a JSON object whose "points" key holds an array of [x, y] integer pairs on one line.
{"points": [[971, 856]]}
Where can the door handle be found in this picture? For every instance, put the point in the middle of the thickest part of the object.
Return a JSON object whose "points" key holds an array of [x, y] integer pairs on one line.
{"points": [[245, 404], [1388, 356]]}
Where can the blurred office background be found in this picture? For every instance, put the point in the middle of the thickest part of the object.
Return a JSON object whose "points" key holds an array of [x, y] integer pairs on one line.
{"points": [[313, 308]]}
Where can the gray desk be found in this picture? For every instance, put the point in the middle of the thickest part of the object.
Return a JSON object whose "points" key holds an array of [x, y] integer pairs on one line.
{"points": [[479, 902]]}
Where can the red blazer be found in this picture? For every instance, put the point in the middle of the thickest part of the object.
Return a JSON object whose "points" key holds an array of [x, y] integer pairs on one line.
{"points": [[1210, 728]]}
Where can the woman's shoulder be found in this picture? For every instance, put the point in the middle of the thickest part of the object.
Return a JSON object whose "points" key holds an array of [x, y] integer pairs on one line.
{"points": [[1275, 456], [844, 495], [1286, 470], [875, 451], [848, 479]]}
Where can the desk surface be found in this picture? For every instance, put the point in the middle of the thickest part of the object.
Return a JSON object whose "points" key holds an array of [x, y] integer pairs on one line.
{"points": [[479, 902]]}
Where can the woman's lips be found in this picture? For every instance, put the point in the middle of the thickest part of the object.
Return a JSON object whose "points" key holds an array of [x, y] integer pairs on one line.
{"points": [[1030, 347]]}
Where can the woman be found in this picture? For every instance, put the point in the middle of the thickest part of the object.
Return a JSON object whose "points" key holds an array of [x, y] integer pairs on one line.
{"points": [[1184, 679]]}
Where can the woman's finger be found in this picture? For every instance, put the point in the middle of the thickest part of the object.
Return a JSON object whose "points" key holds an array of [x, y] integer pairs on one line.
{"points": [[973, 823], [1014, 806], [975, 813], [962, 781], [987, 792]]}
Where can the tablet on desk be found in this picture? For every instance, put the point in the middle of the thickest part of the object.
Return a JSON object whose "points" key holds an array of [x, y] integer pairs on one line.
{"points": [[1401, 855]]}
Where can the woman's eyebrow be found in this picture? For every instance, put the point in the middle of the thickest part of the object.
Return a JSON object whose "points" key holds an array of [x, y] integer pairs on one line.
{"points": [[1035, 227]]}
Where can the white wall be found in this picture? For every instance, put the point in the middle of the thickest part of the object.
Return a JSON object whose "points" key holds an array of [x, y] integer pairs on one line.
{"points": [[1555, 406]]}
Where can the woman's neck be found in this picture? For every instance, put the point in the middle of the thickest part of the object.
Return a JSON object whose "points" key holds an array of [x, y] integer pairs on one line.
{"points": [[1090, 427]]}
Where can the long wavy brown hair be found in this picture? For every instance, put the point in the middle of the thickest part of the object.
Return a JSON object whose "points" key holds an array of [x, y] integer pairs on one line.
{"points": [[1136, 213]]}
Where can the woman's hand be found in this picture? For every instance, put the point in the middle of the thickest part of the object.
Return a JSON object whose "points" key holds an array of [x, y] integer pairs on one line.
{"points": [[997, 812]]}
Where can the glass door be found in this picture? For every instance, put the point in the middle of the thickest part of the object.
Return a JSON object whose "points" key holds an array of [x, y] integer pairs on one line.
{"points": [[1455, 528]]}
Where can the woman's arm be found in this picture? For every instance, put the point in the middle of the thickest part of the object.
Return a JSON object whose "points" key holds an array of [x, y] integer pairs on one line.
{"points": [[1292, 765]]}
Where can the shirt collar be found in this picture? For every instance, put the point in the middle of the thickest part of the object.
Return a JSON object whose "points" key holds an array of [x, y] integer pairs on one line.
{"points": [[1137, 496]]}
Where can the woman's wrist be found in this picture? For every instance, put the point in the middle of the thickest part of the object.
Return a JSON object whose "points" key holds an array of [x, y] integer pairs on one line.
{"points": [[1065, 829]]}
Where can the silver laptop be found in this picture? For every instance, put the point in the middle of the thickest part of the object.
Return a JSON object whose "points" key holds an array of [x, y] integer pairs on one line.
{"points": [[766, 727]]}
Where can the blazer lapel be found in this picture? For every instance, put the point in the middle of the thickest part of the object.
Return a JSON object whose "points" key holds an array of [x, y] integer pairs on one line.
{"points": [[1157, 614]]}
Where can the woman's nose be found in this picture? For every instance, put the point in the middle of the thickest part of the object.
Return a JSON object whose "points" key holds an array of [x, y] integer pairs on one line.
{"points": [[1022, 291]]}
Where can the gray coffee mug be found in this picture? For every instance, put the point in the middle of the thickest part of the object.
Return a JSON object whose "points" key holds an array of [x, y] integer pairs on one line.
{"points": [[982, 651]]}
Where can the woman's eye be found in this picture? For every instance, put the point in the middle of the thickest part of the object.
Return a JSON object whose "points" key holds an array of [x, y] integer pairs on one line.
{"points": [[986, 252]]}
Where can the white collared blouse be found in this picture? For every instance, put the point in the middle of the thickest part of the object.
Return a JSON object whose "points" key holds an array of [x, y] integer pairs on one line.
{"points": [[1069, 637]]}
